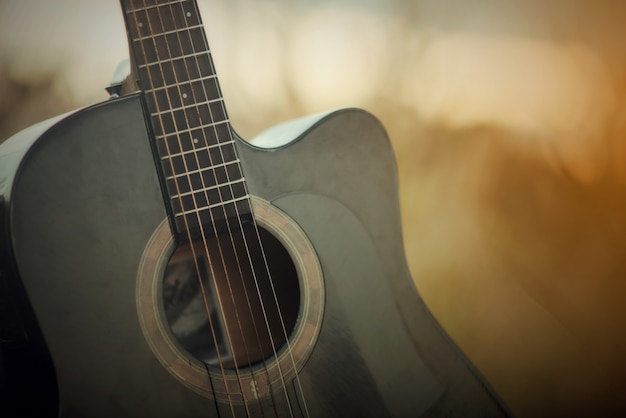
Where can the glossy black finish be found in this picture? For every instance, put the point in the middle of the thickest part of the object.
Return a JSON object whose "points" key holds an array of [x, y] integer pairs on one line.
{"points": [[81, 199]]}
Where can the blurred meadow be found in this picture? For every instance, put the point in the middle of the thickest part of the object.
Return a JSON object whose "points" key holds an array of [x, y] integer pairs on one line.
{"points": [[509, 125]]}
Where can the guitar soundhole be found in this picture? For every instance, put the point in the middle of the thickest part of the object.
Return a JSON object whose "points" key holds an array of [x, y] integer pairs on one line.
{"points": [[231, 303], [218, 321]]}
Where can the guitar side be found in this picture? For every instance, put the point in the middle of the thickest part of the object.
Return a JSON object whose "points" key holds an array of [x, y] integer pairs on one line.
{"points": [[82, 202]]}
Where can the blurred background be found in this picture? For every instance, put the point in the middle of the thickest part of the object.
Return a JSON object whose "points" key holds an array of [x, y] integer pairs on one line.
{"points": [[509, 124]]}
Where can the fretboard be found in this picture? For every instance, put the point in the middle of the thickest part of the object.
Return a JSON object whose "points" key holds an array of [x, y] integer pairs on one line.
{"points": [[198, 162]]}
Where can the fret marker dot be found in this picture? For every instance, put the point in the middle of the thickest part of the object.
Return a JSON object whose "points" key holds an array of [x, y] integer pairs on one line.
{"points": [[140, 24], [195, 140], [188, 14], [184, 95]]}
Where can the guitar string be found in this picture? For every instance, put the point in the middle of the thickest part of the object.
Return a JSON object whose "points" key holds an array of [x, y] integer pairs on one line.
{"points": [[248, 252], [271, 281], [230, 233], [265, 262], [230, 289], [216, 404], [228, 222], [203, 234], [238, 215], [137, 25], [132, 10]]}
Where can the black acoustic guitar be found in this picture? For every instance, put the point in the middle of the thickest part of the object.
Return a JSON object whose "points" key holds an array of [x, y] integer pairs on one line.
{"points": [[153, 264]]}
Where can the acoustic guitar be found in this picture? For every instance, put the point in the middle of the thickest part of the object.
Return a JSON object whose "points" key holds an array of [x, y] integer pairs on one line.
{"points": [[154, 264]]}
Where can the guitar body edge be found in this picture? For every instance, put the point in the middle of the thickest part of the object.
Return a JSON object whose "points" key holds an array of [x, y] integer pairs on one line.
{"points": [[80, 207]]}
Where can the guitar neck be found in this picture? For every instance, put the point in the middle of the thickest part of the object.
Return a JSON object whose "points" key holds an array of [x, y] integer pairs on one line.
{"points": [[194, 141]]}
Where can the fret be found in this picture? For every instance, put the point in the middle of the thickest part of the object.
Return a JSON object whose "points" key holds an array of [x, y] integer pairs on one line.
{"points": [[162, 47], [176, 18], [172, 31], [209, 197], [203, 178], [166, 17], [198, 39], [189, 130], [200, 149], [217, 205], [190, 139], [192, 162], [201, 86], [153, 6], [207, 189], [170, 45], [170, 122], [172, 60], [185, 14], [145, 51], [200, 170], [183, 108], [216, 219], [182, 83]]}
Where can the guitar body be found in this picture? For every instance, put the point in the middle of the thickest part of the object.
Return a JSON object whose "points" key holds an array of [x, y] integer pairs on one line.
{"points": [[81, 204]]}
